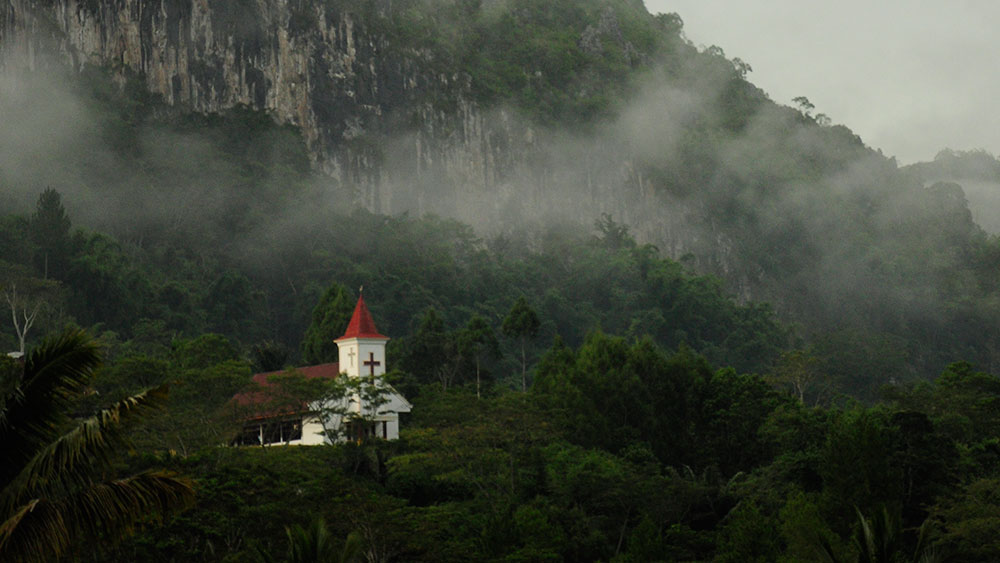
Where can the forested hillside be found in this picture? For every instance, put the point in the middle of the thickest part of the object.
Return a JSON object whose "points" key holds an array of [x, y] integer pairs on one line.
{"points": [[757, 338], [519, 119], [977, 172]]}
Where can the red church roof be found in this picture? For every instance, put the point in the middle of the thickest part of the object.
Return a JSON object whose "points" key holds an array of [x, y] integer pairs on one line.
{"points": [[257, 400], [362, 324]]}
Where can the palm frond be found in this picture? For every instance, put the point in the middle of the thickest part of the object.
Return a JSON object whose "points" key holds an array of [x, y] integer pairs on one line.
{"points": [[43, 528], [70, 461], [825, 551], [312, 544], [925, 551], [352, 548], [865, 541], [35, 532], [55, 374], [53, 488], [260, 554]]}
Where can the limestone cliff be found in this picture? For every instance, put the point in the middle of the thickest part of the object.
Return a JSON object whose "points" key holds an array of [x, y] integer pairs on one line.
{"points": [[382, 115]]}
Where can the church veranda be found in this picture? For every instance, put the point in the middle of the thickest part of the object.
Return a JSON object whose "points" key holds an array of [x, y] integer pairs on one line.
{"points": [[270, 432]]}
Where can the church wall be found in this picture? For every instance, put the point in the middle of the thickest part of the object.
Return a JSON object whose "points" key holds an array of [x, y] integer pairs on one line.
{"points": [[374, 349], [348, 364], [393, 428], [365, 350], [312, 433]]}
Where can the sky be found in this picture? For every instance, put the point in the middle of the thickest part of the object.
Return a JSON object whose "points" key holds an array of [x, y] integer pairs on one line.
{"points": [[911, 77]]}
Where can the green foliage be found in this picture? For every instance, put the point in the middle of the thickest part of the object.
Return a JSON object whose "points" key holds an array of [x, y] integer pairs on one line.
{"points": [[522, 323], [426, 263], [748, 535], [613, 235], [855, 469], [430, 352], [249, 495], [204, 351], [329, 321], [970, 519], [15, 240], [583, 468], [230, 302], [313, 544], [105, 284], [806, 533], [56, 485], [479, 339], [621, 451], [612, 395], [49, 230], [558, 61], [268, 356]]}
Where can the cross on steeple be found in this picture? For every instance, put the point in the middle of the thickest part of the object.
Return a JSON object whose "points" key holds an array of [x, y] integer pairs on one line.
{"points": [[371, 363]]}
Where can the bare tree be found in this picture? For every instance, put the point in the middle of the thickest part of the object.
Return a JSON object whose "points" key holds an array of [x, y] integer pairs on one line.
{"points": [[23, 313], [798, 371]]}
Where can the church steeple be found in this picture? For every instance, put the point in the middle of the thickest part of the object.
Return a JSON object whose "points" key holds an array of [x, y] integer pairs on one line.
{"points": [[362, 324], [362, 347]]}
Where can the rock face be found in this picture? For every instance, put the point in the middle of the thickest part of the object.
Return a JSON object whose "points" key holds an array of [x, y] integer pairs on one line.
{"points": [[385, 121], [312, 68]]}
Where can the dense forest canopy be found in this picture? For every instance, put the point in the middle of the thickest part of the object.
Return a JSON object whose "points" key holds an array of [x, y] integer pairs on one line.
{"points": [[814, 366]]}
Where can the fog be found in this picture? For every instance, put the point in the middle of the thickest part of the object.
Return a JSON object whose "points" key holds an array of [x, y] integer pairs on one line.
{"points": [[782, 207], [910, 77]]}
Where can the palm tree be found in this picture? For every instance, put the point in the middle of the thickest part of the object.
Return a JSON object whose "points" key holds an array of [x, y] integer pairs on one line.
{"points": [[879, 539], [314, 544], [56, 485]]}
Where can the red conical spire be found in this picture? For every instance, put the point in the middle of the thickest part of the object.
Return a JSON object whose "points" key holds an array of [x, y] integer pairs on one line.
{"points": [[362, 324]]}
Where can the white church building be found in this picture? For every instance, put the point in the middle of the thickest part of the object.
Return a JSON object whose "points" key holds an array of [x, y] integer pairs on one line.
{"points": [[362, 359]]}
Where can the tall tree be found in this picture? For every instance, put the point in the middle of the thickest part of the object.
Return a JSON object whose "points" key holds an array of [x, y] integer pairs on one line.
{"points": [[50, 232], [521, 323], [433, 353], [329, 320], [54, 482], [797, 370], [478, 339]]}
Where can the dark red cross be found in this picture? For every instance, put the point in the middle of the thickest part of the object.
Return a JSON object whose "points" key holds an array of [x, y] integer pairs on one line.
{"points": [[371, 363]]}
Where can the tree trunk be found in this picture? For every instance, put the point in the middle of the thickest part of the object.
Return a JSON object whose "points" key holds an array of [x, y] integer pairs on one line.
{"points": [[21, 328], [524, 369]]}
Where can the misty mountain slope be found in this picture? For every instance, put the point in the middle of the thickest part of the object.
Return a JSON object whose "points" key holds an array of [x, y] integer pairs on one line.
{"points": [[495, 113], [391, 97], [977, 172], [514, 117]]}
